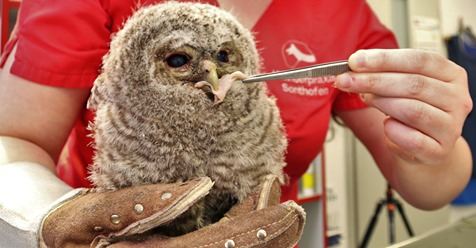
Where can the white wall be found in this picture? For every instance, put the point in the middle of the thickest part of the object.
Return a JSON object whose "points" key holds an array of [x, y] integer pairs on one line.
{"points": [[337, 160], [451, 10]]}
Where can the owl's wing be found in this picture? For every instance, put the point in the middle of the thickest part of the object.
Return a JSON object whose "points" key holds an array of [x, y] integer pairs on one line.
{"points": [[96, 93]]}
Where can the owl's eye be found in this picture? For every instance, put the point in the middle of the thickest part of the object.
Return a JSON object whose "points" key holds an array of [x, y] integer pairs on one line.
{"points": [[222, 56], [177, 60]]}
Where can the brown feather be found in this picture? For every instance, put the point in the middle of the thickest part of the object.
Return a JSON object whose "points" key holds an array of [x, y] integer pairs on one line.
{"points": [[153, 126]]}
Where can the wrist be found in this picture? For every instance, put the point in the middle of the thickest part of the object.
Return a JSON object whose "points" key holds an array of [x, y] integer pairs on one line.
{"points": [[431, 186], [16, 150]]}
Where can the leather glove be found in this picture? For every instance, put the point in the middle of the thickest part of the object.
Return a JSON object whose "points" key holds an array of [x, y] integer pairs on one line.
{"points": [[258, 221], [111, 219], [87, 217]]}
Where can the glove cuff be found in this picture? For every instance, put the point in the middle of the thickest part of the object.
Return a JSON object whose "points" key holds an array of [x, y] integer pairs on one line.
{"points": [[53, 207], [27, 191], [99, 218]]}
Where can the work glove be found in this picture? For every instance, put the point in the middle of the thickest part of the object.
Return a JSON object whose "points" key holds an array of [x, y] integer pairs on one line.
{"points": [[122, 218], [86, 216]]}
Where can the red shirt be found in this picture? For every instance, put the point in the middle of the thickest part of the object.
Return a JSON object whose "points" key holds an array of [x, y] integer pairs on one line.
{"points": [[61, 43]]}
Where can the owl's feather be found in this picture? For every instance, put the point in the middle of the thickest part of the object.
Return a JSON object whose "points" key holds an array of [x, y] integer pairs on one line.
{"points": [[153, 126]]}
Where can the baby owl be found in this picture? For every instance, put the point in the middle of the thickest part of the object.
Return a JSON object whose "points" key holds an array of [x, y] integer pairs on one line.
{"points": [[162, 115]]}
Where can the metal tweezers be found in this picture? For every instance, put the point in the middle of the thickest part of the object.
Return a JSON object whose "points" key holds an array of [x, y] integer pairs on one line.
{"points": [[332, 68]]}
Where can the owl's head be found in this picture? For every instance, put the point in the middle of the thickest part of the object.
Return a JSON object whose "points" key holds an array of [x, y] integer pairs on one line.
{"points": [[174, 44]]}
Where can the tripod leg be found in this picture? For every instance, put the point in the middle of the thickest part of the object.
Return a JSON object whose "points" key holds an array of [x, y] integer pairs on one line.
{"points": [[391, 213], [391, 222], [404, 218], [372, 223]]}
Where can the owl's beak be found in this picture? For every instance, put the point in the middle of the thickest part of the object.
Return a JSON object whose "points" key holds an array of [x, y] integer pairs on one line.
{"points": [[211, 76]]}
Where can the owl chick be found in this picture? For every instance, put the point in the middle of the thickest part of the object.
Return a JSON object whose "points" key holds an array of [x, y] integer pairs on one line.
{"points": [[159, 118]]}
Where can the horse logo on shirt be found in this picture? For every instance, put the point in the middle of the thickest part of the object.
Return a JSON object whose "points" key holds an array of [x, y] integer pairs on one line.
{"points": [[295, 52]]}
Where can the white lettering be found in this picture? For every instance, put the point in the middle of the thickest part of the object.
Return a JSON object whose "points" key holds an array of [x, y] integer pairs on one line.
{"points": [[303, 91], [313, 80]]}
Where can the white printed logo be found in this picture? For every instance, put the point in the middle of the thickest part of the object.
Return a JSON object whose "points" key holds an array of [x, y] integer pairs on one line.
{"points": [[295, 52]]}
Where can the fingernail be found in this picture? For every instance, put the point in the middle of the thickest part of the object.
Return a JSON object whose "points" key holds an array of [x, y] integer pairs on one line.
{"points": [[362, 97], [343, 81], [359, 59]]}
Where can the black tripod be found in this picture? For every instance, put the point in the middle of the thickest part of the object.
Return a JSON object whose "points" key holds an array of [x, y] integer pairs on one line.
{"points": [[391, 203]]}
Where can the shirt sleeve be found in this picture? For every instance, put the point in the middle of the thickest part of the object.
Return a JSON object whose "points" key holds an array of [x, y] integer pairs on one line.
{"points": [[60, 43], [373, 34]]}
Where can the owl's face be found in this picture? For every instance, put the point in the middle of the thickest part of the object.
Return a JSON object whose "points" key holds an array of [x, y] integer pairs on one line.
{"points": [[189, 64], [171, 46]]}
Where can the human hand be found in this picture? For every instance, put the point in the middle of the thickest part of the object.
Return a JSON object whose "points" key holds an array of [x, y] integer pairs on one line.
{"points": [[90, 219], [424, 95], [86, 221], [258, 221]]}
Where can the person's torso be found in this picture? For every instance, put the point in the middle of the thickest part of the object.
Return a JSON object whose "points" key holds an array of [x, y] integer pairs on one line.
{"points": [[288, 35]]}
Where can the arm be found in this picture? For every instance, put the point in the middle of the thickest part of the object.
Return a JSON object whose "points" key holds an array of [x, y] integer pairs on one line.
{"points": [[39, 114], [34, 123], [420, 102]]}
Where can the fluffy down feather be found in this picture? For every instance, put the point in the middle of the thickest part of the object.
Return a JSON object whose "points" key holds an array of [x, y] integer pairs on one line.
{"points": [[153, 126]]}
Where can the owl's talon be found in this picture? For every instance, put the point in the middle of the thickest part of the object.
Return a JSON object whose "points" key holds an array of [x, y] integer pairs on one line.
{"points": [[223, 219]]}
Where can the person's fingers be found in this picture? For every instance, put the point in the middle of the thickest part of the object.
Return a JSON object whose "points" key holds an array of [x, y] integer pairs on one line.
{"points": [[425, 96], [399, 85], [429, 120], [415, 61], [411, 144], [273, 226], [115, 214]]}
